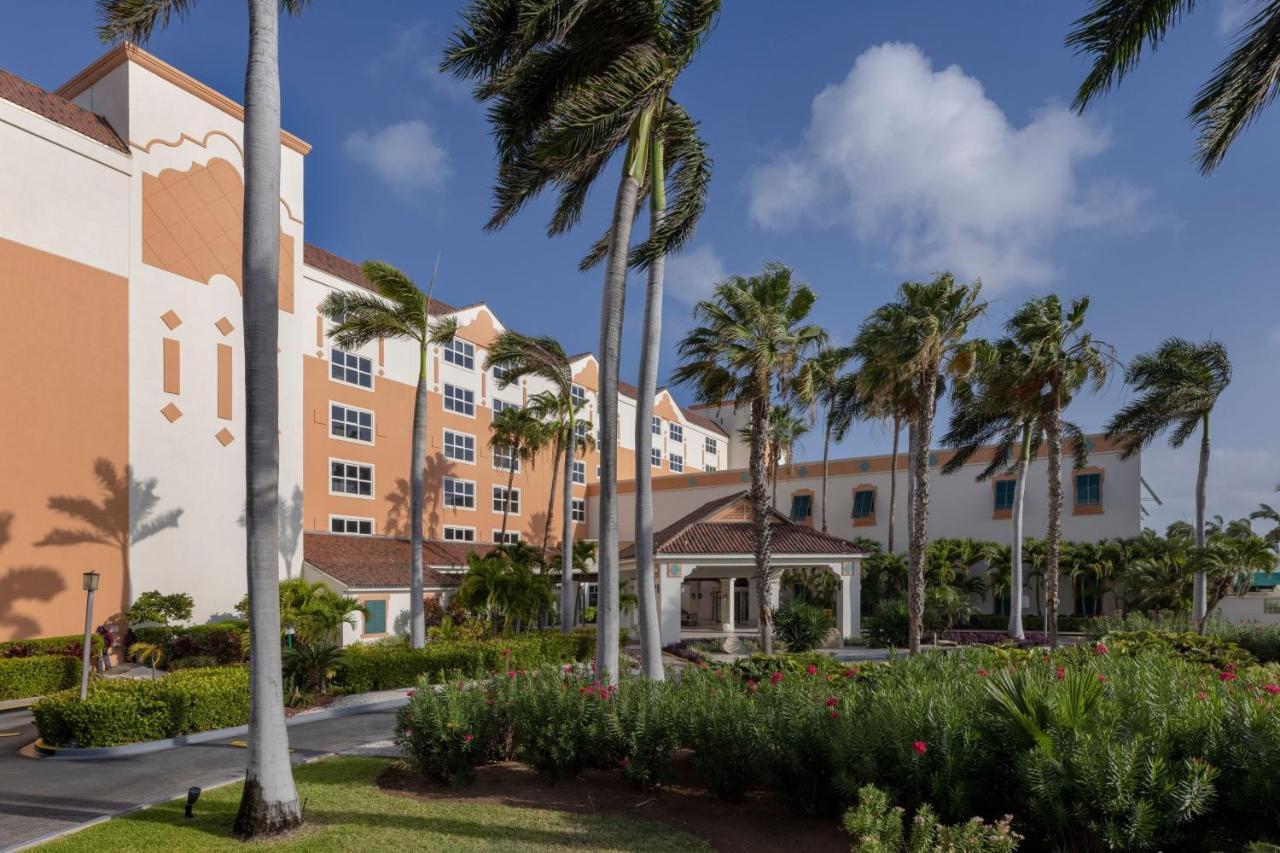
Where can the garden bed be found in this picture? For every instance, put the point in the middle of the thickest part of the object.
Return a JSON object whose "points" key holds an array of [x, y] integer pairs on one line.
{"points": [[757, 823]]}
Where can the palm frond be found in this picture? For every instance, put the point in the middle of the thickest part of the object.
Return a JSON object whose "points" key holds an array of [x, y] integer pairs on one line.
{"points": [[1114, 33]]}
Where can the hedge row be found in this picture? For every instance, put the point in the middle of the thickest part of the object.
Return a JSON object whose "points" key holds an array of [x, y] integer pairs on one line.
{"points": [[71, 645], [22, 678], [122, 711], [999, 621], [216, 643]]}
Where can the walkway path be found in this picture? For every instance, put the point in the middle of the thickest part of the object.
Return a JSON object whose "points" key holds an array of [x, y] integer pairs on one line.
{"points": [[39, 797]]}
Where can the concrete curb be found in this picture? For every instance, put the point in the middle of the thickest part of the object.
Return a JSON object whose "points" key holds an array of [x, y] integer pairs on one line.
{"points": [[94, 753]]}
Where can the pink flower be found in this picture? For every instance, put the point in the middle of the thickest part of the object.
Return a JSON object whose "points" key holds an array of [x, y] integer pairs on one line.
{"points": [[982, 671], [811, 669], [468, 738], [851, 672], [1202, 696], [1061, 673], [412, 693], [1273, 689], [1101, 678], [832, 701], [1228, 676], [511, 673], [568, 667], [752, 685], [775, 678], [624, 762], [920, 747], [835, 715], [1100, 649]]}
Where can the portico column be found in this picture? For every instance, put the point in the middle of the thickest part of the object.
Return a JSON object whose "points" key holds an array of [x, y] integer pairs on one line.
{"points": [[729, 620], [775, 588], [850, 617], [670, 576]]}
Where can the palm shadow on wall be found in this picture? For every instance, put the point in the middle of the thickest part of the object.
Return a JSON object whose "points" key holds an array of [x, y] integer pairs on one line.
{"points": [[32, 582], [290, 527], [124, 515], [398, 514]]}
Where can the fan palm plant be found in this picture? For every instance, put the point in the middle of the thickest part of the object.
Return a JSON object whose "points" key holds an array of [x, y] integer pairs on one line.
{"points": [[751, 342], [399, 311], [573, 83], [1113, 33], [1177, 387], [783, 431], [269, 804], [521, 435], [917, 340]]}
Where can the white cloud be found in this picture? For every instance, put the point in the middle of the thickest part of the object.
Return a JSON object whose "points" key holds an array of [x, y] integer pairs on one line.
{"points": [[923, 165], [415, 48], [690, 276], [1233, 14], [405, 155], [1239, 479]]}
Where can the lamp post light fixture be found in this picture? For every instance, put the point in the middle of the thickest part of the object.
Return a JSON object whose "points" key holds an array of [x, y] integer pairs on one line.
{"points": [[91, 579]]}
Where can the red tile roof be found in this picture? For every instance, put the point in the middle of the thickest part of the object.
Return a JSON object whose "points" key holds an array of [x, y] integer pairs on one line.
{"points": [[703, 421], [31, 97], [326, 261], [383, 561], [695, 534]]}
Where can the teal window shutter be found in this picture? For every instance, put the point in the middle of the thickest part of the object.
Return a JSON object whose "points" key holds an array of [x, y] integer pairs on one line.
{"points": [[375, 620]]}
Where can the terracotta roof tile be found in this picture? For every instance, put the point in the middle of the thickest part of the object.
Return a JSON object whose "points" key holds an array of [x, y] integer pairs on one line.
{"points": [[335, 265], [703, 421], [31, 97], [383, 561]]}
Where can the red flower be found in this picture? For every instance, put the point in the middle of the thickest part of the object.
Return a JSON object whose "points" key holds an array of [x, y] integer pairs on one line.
{"points": [[1273, 689], [568, 667], [811, 669], [1100, 649], [1202, 696], [775, 678], [511, 673], [412, 693], [920, 747], [1228, 676], [835, 715], [752, 685], [851, 672], [624, 762], [506, 653], [832, 701], [468, 738], [982, 671], [1101, 678], [1061, 673]]}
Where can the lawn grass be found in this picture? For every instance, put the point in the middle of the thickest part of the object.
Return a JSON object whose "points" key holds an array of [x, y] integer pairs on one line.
{"points": [[345, 810]]}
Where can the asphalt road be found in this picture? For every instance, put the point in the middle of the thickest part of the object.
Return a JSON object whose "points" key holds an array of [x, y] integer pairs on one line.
{"points": [[39, 797]]}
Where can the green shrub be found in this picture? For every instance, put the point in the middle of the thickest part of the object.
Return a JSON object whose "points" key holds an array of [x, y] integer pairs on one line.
{"points": [[446, 734], [717, 725], [888, 626], [71, 645], [1188, 645], [802, 626], [877, 827], [153, 606], [122, 711], [223, 642], [559, 728], [643, 731], [25, 677]]}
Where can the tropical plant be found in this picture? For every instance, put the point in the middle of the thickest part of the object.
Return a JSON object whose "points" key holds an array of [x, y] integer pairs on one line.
{"points": [[1266, 512], [751, 343], [801, 625], [519, 434], [310, 610], [824, 382], [155, 606], [269, 803], [784, 430], [572, 86], [399, 311], [1177, 387], [916, 341], [506, 591], [310, 666], [148, 654]]}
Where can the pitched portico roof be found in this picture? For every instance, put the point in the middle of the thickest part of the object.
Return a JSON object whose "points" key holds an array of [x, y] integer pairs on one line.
{"points": [[383, 561], [723, 526]]}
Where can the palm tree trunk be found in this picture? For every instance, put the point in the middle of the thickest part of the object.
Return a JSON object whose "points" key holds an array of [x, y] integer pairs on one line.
{"points": [[269, 803], [417, 495], [1053, 531], [761, 527], [919, 513], [506, 506], [612, 307], [1015, 547], [893, 480], [826, 465], [650, 344], [551, 501], [1199, 593], [568, 598]]}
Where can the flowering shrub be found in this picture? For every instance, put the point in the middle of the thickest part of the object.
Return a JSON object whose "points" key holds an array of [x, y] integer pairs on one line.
{"points": [[877, 826]]}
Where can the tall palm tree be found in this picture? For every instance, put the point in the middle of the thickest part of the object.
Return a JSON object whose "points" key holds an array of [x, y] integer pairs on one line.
{"points": [[750, 343], [1177, 386], [824, 381], [521, 434], [1269, 513], [880, 391], [783, 431], [920, 338], [1113, 33], [552, 409], [399, 311], [574, 82], [269, 803]]}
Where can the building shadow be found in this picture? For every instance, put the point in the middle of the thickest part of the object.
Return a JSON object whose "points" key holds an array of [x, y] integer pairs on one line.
{"points": [[398, 501], [289, 528], [40, 583]]}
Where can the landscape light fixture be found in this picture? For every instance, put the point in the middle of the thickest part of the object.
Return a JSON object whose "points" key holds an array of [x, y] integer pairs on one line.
{"points": [[193, 794], [90, 587]]}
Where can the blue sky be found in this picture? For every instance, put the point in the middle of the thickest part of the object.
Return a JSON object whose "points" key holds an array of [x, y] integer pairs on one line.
{"points": [[861, 143]]}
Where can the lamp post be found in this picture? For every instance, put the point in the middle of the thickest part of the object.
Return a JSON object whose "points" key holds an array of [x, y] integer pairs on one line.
{"points": [[90, 587]]}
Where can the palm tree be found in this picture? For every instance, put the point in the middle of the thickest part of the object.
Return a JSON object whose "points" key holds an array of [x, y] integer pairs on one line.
{"points": [[399, 311], [784, 432], [1177, 386], [919, 339], [1269, 513], [521, 435], [1114, 32], [552, 408], [824, 382], [880, 391], [269, 803], [751, 344]]}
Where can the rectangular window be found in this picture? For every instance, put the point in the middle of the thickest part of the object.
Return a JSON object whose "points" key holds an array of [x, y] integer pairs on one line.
{"points": [[459, 534], [350, 478], [864, 503], [580, 429], [579, 395], [461, 353], [709, 446], [502, 373], [351, 424], [801, 507], [459, 494], [375, 616], [459, 446], [1088, 489], [355, 526], [1004, 494], [675, 432], [655, 457], [579, 510], [711, 469], [350, 368], [460, 400], [500, 406], [504, 459], [676, 461], [655, 425], [504, 501], [580, 473], [511, 537]]}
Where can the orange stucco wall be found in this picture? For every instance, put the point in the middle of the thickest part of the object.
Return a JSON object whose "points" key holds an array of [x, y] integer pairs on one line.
{"points": [[65, 325]]}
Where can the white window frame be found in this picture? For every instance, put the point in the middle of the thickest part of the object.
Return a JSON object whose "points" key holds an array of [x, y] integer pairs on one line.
{"points": [[458, 433], [500, 405], [456, 529], [349, 518], [444, 494], [494, 499], [462, 351], [655, 425], [578, 510], [655, 457], [578, 395], [710, 469], [579, 473], [500, 372], [710, 445], [509, 456], [675, 432], [675, 461], [373, 423], [448, 400], [344, 381], [512, 537], [373, 475]]}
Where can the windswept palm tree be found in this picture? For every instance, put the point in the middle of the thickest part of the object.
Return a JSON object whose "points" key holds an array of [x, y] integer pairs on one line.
{"points": [[1177, 387], [750, 344], [520, 435], [1269, 513], [399, 311], [1113, 33], [784, 431], [573, 83], [918, 340], [269, 804], [824, 382], [553, 409]]}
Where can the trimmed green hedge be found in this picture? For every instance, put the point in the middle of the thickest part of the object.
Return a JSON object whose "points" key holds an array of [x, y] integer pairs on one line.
{"points": [[71, 645], [123, 711], [22, 678]]}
